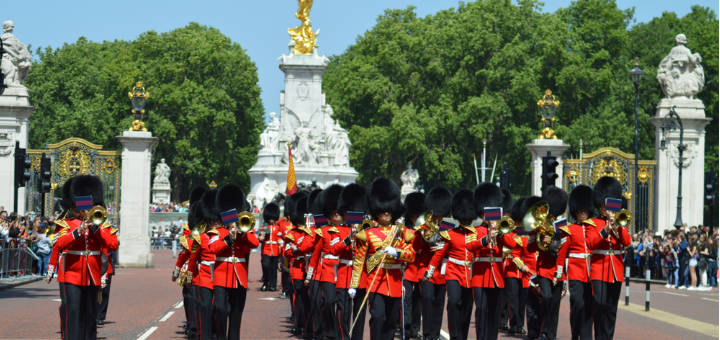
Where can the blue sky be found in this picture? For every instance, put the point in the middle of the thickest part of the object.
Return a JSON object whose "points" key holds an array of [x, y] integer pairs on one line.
{"points": [[259, 26]]}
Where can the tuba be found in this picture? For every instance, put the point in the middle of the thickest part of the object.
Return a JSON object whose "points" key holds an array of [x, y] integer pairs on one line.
{"points": [[537, 220], [246, 221]]}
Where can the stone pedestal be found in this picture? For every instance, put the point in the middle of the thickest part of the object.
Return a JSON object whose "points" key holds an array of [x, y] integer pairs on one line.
{"points": [[15, 110], [161, 192], [134, 233], [539, 149], [692, 114]]}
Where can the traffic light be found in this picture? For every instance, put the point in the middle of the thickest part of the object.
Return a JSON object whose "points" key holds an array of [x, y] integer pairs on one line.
{"points": [[45, 174], [549, 175], [22, 166]]}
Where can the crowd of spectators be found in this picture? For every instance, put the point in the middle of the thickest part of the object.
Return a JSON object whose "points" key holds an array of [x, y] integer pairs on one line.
{"points": [[167, 207], [686, 258], [21, 237]]}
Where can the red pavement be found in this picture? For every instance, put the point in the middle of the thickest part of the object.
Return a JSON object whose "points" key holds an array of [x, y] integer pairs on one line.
{"points": [[144, 301]]}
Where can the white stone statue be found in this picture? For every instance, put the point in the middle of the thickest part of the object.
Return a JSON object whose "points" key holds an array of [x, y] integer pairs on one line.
{"points": [[304, 146], [274, 121], [270, 137], [16, 59], [162, 172], [409, 179], [680, 73], [339, 146]]}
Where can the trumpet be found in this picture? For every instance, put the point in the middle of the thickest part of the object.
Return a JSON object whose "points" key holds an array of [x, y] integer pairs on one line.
{"points": [[246, 221], [506, 225], [623, 218], [97, 215]]}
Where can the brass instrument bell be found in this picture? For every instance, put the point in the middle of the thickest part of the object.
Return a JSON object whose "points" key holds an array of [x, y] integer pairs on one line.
{"points": [[97, 215], [506, 225], [246, 221], [536, 216], [623, 218]]}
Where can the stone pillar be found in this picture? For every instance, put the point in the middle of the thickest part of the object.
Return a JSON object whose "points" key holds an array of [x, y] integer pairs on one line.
{"points": [[15, 111], [692, 114], [135, 199], [539, 149]]}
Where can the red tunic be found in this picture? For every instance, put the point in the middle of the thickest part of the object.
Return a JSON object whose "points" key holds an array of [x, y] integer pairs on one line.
{"points": [[460, 259], [389, 271], [547, 265], [82, 262], [578, 254], [511, 269], [530, 260], [56, 261], [326, 258], [271, 242], [607, 252], [304, 239], [230, 264], [202, 261], [424, 255], [487, 269]]}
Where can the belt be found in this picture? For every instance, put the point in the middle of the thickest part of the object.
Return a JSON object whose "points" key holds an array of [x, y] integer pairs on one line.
{"points": [[579, 255], [605, 252], [346, 262], [271, 242], [330, 257], [84, 252], [460, 262], [232, 259], [208, 263], [390, 266], [488, 259]]}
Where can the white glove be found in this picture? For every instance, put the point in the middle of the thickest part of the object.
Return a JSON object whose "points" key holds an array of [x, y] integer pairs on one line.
{"points": [[391, 251], [352, 292], [103, 281], [437, 247]]}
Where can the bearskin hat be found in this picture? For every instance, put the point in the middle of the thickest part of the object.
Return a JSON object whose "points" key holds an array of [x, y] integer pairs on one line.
{"points": [[581, 198], [328, 199], [271, 212], [286, 206], [439, 201], [230, 196], [516, 211], [208, 209], [194, 214], [507, 201], [83, 185], [298, 207], [462, 206], [353, 198], [487, 195], [385, 197], [607, 187], [414, 204], [196, 194], [313, 204], [528, 202], [557, 200]]}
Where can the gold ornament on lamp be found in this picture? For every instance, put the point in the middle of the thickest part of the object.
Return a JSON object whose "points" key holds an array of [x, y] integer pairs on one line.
{"points": [[548, 105], [303, 37], [138, 98]]}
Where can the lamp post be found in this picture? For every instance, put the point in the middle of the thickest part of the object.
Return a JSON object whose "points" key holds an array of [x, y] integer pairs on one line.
{"points": [[672, 121], [636, 74]]}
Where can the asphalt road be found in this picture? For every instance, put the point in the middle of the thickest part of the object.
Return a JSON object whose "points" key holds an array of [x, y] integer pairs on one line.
{"points": [[145, 304]]}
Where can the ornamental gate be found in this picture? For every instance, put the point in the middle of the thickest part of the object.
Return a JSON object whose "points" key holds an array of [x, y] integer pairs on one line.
{"points": [[615, 163], [71, 157]]}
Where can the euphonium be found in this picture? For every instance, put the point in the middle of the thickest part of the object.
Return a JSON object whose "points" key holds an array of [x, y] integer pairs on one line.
{"points": [[536, 220], [97, 215], [246, 221], [431, 228], [506, 225]]}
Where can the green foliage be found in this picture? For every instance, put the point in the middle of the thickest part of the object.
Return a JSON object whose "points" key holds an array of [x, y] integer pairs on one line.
{"points": [[204, 100], [429, 90]]}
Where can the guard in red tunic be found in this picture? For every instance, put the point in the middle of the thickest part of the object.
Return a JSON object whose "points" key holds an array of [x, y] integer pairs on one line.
{"points": [[458, 268], [202, 262], [530, 258], [412, 299], [578, 263], [57, 259], [429, 240], [299, 244], [504, 298], [270, 237], [381, 250], [607, 241], [488, 277], [311, 275], [285, 225], [82, 244], [108, 270]]}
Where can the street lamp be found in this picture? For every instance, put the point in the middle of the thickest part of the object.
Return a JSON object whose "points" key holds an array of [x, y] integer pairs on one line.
{"points": [[636, 74], [672, 121]]}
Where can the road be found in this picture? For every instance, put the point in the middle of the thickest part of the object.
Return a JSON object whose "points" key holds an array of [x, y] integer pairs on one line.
{"points": [[145, 304]]}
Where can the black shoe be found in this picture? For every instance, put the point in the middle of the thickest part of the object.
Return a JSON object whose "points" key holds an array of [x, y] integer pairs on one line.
{"points": [[273, 289], [263, 288], [100, 322], [504, 328]]}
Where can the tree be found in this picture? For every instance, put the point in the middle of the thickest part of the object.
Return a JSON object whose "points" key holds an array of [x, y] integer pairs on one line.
{"points": [[204, 100]]}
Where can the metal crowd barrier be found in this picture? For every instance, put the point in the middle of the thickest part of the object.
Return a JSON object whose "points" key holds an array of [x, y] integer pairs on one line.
{"points": [[15, 262]]}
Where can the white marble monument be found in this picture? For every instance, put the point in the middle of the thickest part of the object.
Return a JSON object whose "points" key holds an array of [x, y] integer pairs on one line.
{"points": [[539, 149], [15, 111], [161, 183], [681, 78], [409, 179], [134, 233], [319, 144]]}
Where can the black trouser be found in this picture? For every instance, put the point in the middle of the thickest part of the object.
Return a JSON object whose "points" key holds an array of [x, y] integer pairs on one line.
{"points": [[63, 312], [411, 304], [103, 305], [301, 305], [358, 315], [581, 302], [486, 312], [606, 297], [433, 301], [204, 312], [188, 306], [550, 296], [269, 268], [516, 297], [286, 283], [533, 313], [384, 315], [344, 313], [228, 303], [315, 303], [80, 304], [327, 313], [459, 309], [503, 306]]}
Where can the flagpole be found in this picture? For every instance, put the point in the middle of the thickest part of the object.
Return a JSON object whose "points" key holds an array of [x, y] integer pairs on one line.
{"points": [[483, 159], [477, 179], [492, 174]]}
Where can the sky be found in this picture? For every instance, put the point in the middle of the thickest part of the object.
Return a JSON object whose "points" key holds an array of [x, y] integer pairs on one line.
{"points": [[260, 27]]}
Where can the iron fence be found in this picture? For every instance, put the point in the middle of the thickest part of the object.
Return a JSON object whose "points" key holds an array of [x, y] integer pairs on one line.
{"points": [[16, 262]]}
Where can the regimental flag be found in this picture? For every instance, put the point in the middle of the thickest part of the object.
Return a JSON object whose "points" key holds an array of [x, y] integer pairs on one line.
{"points": [[320, 220], [446, 225], [559, 224], [291, 180], [613, 204], [354, 217], [493, 213], [228, 217], [83, 202]]}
